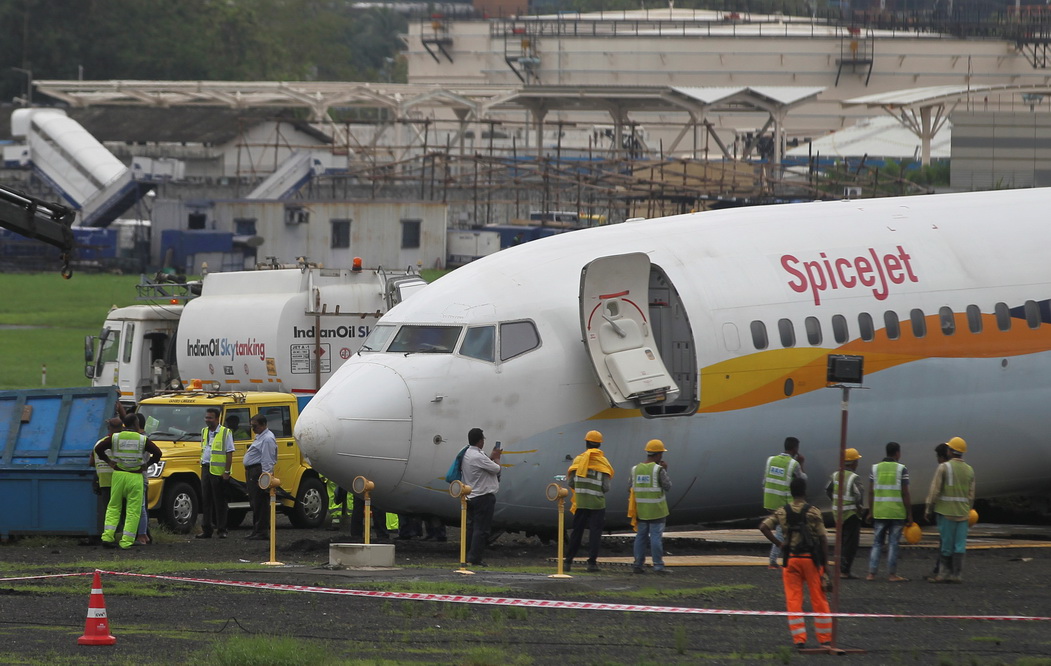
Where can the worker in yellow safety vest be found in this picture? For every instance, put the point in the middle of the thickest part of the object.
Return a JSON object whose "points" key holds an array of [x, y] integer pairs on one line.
{"points": [[217, 459], [103, 474], [124, 453], [853, 507], [778, 473], [951, 497], [891, 510], [648, 506], [589, 477]]}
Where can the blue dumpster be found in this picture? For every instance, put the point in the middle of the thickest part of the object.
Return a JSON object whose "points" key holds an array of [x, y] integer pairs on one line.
{"points": [[45, 477]]}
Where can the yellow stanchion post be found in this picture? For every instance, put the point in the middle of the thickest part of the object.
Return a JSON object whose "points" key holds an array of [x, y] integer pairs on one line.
{"points": [[461, 491], [557, 493], [363, 486], [267, 481]]}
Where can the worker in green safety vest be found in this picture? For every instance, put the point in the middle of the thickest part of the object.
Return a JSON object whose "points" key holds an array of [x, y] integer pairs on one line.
{"points": [[891, 510], [951, 498], [217, 458], [589, 477], [853, 508], [648, 506], [123, 452], [103, 474], [777, 475]]}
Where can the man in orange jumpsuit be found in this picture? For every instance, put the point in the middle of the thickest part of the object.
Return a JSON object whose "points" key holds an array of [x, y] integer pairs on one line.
{"points": [[807, 543]]}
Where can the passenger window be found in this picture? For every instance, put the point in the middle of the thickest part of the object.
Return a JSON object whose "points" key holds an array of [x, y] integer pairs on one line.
{"points": [[919, 323], [1032, 314], [948, 320], [813, 330], [787, 332], [480, 343], [974, 319], [891, 324], [868, 331], [517, 338], [759, 340], [1003, 316], [839, 329]]}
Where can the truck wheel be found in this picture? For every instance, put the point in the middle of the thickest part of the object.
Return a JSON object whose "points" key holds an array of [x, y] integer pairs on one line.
{"points": [[234, 517], [311, 506], [180, 507]]}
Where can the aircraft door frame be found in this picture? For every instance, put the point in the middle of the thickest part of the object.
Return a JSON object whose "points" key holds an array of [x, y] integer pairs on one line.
{"points": [[673, 335], [617, 332]]}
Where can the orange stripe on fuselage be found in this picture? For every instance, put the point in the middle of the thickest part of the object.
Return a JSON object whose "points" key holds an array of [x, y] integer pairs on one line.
{"points": [[760, 378]]}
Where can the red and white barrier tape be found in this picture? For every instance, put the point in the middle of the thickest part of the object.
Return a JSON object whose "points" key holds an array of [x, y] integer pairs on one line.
{"points": [[537, 603]]}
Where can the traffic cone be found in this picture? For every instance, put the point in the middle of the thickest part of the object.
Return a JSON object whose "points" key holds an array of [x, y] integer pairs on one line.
{"points": [[96, 628]]}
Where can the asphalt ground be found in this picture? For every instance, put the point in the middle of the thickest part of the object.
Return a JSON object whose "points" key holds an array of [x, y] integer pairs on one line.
{"points": [[171, 620]]}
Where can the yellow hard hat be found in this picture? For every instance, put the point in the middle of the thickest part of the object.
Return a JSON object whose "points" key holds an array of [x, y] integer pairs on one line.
{"points": [[913, 533], [851, 455], [593, 436], [957, 444], [972, 517], [655, 446]]}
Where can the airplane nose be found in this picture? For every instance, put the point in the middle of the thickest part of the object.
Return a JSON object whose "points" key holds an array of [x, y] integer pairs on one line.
{"points": [[360, 423]]}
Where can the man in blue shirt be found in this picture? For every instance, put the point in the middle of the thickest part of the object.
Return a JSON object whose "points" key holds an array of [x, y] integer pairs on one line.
{"points": [[260, 457]]}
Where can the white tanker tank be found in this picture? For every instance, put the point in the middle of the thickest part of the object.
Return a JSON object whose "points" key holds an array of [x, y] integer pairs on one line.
{"points": [[284, 330]]}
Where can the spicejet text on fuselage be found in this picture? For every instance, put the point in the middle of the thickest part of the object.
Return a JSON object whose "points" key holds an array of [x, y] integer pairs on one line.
{"points": [[874, 270]]}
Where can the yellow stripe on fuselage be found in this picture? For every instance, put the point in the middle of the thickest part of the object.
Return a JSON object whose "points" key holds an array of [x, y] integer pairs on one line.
{"points": [[761, 378]]}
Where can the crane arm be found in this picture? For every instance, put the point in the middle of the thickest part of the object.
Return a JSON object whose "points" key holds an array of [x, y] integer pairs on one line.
{"points": [[40, 220]]}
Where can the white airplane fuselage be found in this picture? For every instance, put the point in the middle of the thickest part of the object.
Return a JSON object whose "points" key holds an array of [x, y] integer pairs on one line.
{"points": [[938, 277]]}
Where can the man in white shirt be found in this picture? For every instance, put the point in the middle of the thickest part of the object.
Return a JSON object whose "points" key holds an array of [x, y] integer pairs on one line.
{"points": [[482, 474]]}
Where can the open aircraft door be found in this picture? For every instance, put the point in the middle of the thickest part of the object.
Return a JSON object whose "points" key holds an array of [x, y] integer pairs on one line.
{"points": [[614, 293]]}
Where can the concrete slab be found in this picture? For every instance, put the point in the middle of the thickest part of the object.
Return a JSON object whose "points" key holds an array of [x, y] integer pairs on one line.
{"points": [[361, 555]]}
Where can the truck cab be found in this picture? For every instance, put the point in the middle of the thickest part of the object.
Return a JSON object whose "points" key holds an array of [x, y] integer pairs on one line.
{"points": [[174, 421], [135, 351]]}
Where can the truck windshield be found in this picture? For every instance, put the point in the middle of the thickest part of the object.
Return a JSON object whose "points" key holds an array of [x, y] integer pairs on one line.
{"points": [[174, 422], [108, 339], [425, 339]]}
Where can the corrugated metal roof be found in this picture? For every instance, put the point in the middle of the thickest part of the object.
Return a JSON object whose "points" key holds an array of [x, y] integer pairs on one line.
{"points": [[784, 95], [199, 125], [876, 137]]}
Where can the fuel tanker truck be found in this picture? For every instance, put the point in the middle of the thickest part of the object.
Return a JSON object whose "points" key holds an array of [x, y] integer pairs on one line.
{"points": [[278, 329]]}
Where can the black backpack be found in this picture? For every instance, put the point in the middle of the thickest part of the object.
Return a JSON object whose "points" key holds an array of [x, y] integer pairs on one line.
{"points": [[796, 523]]}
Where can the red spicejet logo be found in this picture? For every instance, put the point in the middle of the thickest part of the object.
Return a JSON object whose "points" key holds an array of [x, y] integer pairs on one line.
{"points": [[874, 270]]}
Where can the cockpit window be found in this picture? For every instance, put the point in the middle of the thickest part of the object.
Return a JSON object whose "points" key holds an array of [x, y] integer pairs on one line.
{"points": [[378, 338], [516, 338], [425, 339], [480, 343]]}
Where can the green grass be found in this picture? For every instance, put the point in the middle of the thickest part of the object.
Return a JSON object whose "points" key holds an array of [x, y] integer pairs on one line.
{"points": [[61, 313], [65, 311], [151, 567], [264, 651]]}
